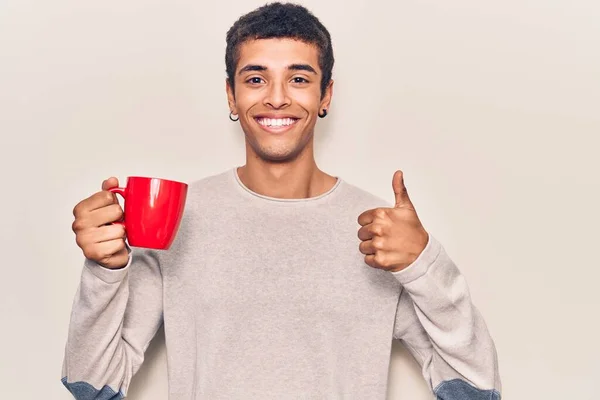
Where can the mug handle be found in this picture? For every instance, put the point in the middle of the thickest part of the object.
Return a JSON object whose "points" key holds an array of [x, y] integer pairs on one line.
{"points": [[120, 191]]}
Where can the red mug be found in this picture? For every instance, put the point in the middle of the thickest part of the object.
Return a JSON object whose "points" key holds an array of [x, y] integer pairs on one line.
{"points": [[153, 211]]}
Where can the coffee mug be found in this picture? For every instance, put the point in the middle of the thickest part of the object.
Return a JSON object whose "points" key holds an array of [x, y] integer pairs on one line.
{"points": [[153, 210]]}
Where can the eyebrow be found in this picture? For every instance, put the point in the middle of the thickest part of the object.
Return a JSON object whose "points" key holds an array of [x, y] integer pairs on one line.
{"points": [[292, 67], [302, 67]]}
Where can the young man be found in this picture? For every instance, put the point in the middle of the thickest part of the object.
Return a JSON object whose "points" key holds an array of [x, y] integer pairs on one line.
{"points": [[284, 282]]}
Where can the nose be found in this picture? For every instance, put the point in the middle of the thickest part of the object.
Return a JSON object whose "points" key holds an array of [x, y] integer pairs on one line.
{"points": [[277, 96]]}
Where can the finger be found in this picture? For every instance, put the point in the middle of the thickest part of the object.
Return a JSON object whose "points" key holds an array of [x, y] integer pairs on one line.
{"points": [[105, 250], [105, 234], [369, 231], [400, 192], [96, 201], [370, 261], [110, 183], [104, 215], [364, 233], [366, 247], [366, 218]]}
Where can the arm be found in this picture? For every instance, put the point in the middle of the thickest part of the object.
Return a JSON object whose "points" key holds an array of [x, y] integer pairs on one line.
{"points": [[116, 312], [443, 330]]}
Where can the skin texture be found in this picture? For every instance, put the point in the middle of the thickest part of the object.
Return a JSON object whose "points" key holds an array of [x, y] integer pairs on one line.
{"points": [[98, 239], [392, 238], [280, 165]]}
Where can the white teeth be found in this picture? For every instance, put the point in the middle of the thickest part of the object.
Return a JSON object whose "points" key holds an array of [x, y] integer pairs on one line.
{"points": [[275, 122]]}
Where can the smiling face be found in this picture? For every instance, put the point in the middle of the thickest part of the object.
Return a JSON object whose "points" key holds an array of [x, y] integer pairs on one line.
{"points": [[278, 97]]}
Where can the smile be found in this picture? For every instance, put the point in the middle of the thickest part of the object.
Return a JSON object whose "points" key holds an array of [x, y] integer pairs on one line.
{"points": [[276, 124]]}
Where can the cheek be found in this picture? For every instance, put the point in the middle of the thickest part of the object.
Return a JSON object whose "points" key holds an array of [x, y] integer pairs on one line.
{"points": [[244, 98], [308, 100]]}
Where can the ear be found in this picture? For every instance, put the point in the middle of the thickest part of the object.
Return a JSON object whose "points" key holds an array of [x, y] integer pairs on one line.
{"points": [[327, 95], [230, 96]]}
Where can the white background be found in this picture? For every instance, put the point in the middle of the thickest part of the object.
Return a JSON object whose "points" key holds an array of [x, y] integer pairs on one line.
{"points": [[490, 108]]}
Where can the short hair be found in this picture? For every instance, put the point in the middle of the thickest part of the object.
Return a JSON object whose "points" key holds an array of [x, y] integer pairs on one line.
{"points": [[280, 20]]}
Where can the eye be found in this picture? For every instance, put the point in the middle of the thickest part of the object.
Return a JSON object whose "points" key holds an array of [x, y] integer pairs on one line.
{"points": [[255, 80], [299, 79]]}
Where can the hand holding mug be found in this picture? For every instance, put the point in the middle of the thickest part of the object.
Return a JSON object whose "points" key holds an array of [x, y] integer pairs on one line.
{"points": [[153, 212], [96, 235]]}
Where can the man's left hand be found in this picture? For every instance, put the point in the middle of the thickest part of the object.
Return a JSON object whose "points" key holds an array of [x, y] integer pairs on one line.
{"points": [[392, 238]]}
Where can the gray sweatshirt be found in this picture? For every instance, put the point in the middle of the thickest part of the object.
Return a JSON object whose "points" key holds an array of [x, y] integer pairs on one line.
{"points": [[265, 298]]}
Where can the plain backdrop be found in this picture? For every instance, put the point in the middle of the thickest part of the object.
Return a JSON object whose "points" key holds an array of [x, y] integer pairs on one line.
{"points": [[491, 109]]}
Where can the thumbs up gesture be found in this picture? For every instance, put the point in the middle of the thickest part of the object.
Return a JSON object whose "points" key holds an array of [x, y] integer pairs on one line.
{"points": [[392, 238]]}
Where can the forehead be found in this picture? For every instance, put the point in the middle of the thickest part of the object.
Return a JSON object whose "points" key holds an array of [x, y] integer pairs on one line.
{"points": [[277, 53]]}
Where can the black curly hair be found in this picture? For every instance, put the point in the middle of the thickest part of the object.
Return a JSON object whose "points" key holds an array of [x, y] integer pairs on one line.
{"points": [[280, 20]]}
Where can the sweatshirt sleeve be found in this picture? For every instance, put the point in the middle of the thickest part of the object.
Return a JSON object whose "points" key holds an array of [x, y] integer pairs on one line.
{"points": [[444, 331], [115, 314]]}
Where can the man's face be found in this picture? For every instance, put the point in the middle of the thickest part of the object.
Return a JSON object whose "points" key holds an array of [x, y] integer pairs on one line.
{"points": [[278, 96]]}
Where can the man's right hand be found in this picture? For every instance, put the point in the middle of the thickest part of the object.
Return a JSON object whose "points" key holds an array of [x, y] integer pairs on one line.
{"points": [[99, 239]]}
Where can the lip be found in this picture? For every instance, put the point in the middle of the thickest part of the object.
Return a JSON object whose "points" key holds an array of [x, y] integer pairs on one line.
{"points": [[276, 129], [275, 116]]}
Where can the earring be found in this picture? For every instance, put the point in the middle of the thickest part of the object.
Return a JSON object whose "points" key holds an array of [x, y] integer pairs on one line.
{"points": [[233, 119], [324, 113]]}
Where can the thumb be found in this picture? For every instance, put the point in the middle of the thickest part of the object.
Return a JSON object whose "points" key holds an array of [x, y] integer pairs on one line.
{"points": [[111, 182], [400, 191]]}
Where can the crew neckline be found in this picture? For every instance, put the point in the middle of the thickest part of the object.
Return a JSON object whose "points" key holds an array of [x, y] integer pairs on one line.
{"points": [[248, 191]]}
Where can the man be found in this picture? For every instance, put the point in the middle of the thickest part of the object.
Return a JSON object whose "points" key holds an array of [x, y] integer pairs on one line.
{"points": [[284, 282]]}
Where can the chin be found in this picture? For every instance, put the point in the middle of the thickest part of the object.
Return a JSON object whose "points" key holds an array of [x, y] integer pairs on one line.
{"points": [[276, 149], [277, 158], [277, 155]]}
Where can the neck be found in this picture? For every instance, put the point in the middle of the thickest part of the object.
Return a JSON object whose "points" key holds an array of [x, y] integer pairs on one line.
{"points": [[297, 179]]}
